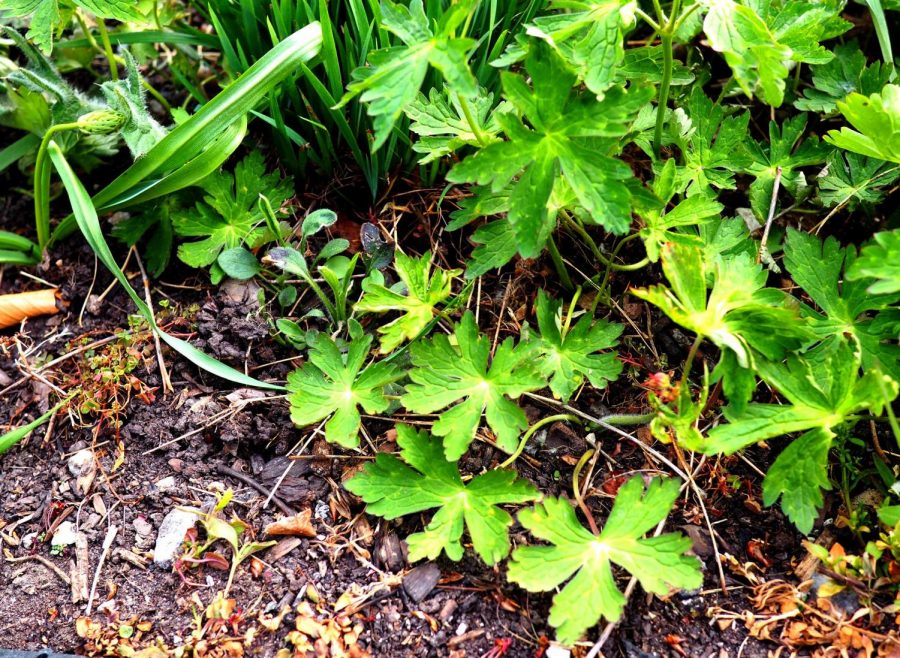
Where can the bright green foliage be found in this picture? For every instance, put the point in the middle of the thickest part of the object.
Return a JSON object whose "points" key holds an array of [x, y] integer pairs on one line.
{"points": [[229, 215], [47, 14], [424, 291], [585, 560], [568, 137], [589, 34], [458, 374], [569, 353], [855, 180], [877, 122], [757, 39], [823, 388], [661, 223], [741, 316], [784, 150], [427, 481], [713, 148], [393, 76], [847, 308], [879, 260], [330, 384], [845, 74], [442, 125]]}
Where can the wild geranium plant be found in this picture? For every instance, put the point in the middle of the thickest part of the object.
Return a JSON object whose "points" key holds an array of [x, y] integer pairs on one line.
{"points": [[720, 170]]}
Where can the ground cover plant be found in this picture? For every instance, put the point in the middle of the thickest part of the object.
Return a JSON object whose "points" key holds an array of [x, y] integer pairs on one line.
{"points": [[545, 302]]}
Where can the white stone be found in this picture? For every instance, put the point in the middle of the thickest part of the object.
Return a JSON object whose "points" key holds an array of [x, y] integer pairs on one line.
{"points": [[65, 534], [171, 535]]}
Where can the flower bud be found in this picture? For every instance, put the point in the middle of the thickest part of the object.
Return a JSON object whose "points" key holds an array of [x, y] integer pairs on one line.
{"points": [[101, 122]]}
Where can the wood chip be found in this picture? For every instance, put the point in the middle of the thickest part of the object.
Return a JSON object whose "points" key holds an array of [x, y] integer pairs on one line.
{"points": [[299, 525], [79, 568], [282, 548], [419, 582]]}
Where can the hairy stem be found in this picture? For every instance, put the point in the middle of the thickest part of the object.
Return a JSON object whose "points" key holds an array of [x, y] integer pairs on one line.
{"points": [[42, 184], [467, 112]]}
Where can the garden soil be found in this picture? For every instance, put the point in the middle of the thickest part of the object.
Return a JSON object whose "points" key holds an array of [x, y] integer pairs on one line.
{"points": [[183, 448]]}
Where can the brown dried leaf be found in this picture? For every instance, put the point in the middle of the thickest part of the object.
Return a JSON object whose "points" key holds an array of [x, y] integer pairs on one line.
{"points": [[299, 525]]}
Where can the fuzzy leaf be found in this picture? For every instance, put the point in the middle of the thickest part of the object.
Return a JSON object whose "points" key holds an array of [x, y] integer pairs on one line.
{"points": [[458, 374], [330, 385], [426, 480], [585, 561], [424, 291]]}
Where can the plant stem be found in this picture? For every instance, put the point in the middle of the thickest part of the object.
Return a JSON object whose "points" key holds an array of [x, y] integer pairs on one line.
{"points": [[689, 362], [558, 264], [42, 185], [576, 489], [467, 112], [666, 37], [530, 432], [107, 48]]}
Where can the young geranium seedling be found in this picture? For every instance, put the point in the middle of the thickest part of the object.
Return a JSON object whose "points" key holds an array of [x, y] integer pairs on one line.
{"points": [[424, 291], [328, 385], [426, 480], [568, 136], [229, 215], [569, 354], [585, 560], [458, 374]]}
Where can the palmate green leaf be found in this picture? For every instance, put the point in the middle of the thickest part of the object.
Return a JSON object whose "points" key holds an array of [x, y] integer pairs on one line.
{"points": [[741, 316], [392, 488], [229, 215], [153, 219], [589, 35], [424, 291], [843, 75], [569, 137], [879, 260], [86, 216], [458, 376], [877, 122], [853, 180], [758, 38], [784, 149], [392, 77], [328, 385], [585, 561], [714, 148], [568, 354], [661, 223], [847, 308], [823, 388], [442, 126]]}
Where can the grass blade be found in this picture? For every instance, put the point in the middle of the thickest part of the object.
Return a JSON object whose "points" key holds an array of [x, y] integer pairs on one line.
{"points": [[17, 149], [86, 216], [12, 437]]}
